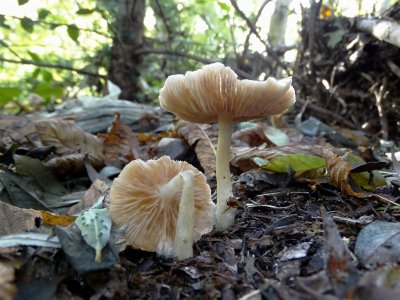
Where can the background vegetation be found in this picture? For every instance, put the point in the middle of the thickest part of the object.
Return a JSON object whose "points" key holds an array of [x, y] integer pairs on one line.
{"points": [[63, 49]]}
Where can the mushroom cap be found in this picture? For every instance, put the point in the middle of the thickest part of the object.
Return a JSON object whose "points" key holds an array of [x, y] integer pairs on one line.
{"points": [[202, 95], [136, 201]]}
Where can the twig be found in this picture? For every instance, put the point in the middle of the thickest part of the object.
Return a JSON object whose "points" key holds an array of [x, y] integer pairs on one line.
{"points": [[46, 65], [57, 25], [255, 32], [189, 56], [247, 41], [327, 113], [380, 95]]}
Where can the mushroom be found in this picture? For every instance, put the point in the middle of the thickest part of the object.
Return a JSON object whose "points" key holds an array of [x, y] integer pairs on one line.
{"points": [[214, 94], [165, 204]]}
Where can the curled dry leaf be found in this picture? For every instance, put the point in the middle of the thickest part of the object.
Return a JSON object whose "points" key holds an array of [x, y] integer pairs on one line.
{"points": [[119, 142], [68, 137], [198, 138], [339, 171], [72, 164], [253, 136]]}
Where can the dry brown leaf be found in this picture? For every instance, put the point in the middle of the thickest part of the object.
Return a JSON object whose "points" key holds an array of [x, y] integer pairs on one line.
{"points": [[68, 137], [339, 171], [7, 277], [196, 137], [72, 164], [15, 220], [119, 142], [253, 136], [51, 219], [97, 189]]}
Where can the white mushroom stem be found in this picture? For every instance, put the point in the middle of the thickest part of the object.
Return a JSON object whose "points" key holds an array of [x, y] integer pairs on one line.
{"points": [[183, 242], [225, 215]]}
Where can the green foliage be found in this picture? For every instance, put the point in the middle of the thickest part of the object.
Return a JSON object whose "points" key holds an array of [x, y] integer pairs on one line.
{"points": [[8, 94], [296, 162], [73, 32]]}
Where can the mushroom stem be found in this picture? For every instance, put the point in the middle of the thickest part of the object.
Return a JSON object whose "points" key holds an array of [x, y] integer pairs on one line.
{"points": [[183, 242], [225, 215]]}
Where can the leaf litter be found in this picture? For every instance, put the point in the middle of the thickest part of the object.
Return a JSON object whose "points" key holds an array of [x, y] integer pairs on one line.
{"points": [[306, 227]]}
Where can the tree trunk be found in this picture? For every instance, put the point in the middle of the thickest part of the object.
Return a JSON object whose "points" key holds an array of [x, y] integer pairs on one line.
{"points": [[124, 68]]}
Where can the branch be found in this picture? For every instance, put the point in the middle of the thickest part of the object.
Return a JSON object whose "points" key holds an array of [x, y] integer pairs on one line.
{"points": [[255, 32], [189, 56], [46, 65], [247, 41], [388, 31], [57, 24]]}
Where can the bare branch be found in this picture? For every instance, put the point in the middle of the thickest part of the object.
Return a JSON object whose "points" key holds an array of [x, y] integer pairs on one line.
{"points": [[246, 43], [189, 56], [253, 29], [47, 65]]}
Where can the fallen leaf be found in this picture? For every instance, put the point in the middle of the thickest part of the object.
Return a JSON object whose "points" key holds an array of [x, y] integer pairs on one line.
{"points": [[197, 137], [90, 197], [53, 219], [21, 191], [253, 136], [35, 169], [339, 171], [296, 162], [82, 256], [72, 164], [68, 137], [7, 277], [119, 142], [29, 239], [243, 157], [276, 136], [378, 243], [14, 219], [95, 226], [339, 266], [367, 180]]}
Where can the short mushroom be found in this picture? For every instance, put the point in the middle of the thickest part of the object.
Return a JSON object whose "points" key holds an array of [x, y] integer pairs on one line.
{"points": [[214, 94], [165, 204]]}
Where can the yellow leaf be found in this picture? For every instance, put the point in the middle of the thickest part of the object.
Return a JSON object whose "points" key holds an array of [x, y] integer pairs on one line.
{"points": [[53, 219]]}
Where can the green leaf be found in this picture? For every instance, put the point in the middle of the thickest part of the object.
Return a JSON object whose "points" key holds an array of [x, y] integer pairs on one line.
{"points": [[22, 2], [34, 56], [47, 90], [224, 6], [43, 13], [46, 75], [367, 180], [95, 226], [297, 162], [3, 22], [27, 24], [36, 73], [84, 11], [73, 32], [7, 94]]}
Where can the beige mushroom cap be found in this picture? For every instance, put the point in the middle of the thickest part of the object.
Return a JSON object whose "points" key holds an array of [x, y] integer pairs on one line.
{"points": [[136, 201], [200, 96]]}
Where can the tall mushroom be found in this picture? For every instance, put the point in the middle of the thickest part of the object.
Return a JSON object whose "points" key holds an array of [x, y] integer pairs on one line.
{"points": [[214, 94], [165, 204]]}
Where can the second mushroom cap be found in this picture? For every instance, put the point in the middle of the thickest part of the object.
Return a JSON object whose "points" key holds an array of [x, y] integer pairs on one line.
{"points": [[200, 96]]}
